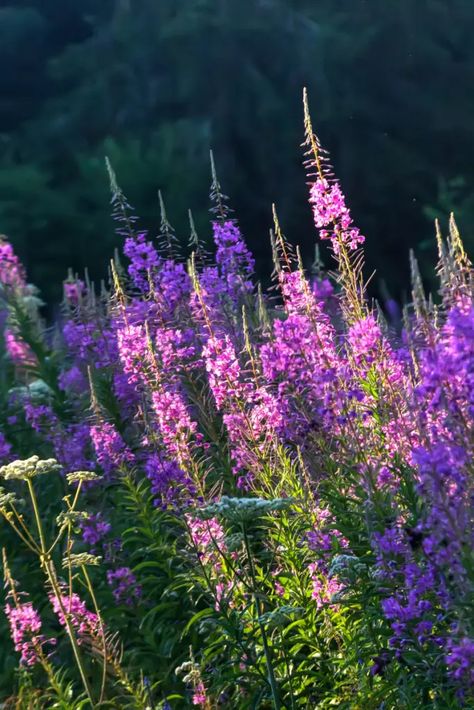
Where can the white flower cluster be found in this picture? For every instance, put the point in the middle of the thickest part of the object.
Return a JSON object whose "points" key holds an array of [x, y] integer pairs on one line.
{"points": [[77, 476], [190, 672], [72, 517], [242, 510], [24, 469], [346, 567], [6, 498], [37, 391], [81, 559]]}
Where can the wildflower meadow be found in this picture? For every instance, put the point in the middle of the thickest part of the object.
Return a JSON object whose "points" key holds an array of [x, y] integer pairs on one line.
{"points": [[219, 495]]}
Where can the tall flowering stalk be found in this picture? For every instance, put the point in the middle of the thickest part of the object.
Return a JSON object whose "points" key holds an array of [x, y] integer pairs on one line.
{"points": [[332, 218]]}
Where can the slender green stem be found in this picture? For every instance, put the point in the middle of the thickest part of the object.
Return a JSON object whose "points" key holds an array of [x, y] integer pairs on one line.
{"points": [[266, 648], [65, 526], [50, 572], [9, 520], [39, 525], [21, 522], [102, 630]]}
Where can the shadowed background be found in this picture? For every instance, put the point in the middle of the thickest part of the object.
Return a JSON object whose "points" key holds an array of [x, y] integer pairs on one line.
{"points": [[154, 85]]}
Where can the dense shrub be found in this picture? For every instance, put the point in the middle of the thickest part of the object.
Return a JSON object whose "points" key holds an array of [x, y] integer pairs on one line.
{"points": [[224, 497]]}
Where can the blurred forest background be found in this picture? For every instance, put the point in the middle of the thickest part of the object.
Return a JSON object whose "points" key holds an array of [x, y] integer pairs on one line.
{"points": [[154, 84]]}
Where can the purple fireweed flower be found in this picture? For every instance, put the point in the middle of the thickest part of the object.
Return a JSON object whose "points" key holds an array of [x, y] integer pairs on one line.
{"points": [[323, 542], [124, 585], [74, 291], [393, 310], [252, 429], [73, 380], [329, 210], [134, 352], [73, 447], [420, 591], [177, 348], [322, 289], [111, 450], [174, 421], [447, 368], [302, 364], [172, 288], [199, 694], [368, 347], [234, 260], [5, 449], [208, 537], [18, 351], [296, 291], [144, 260], [127, 393], [223, 368], [90, 342], [324, 588], [365, 340], [213, 301], [25, 629], [40, 417], [12, 273], [443, 482], [252, 416], [84, 621], [169, 483], [94, 528], [392, 541], [460, 659]]}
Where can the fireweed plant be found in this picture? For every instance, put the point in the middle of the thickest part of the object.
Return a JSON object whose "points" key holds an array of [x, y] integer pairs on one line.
{"points": [[216, 497]]}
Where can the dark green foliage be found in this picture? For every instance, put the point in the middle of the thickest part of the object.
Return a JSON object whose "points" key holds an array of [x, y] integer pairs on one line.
{"points": [[154, 85]]}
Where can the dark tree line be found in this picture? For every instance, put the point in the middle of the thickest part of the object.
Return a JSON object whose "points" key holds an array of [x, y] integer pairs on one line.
{"points": [[154, 85]]}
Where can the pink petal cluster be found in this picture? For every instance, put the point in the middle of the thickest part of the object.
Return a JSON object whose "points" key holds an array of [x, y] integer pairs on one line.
{"points": [[329, 210], [25, 628], [84, 621]]}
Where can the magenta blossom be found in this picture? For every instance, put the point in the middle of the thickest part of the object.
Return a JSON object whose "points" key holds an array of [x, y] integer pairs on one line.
{"points": [[25, 628]]}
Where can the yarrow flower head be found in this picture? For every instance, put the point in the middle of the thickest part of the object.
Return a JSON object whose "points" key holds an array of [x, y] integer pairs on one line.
{"points": [[242, 510], [6, 499], [81, 559], [24, 469], [77, 476]]}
